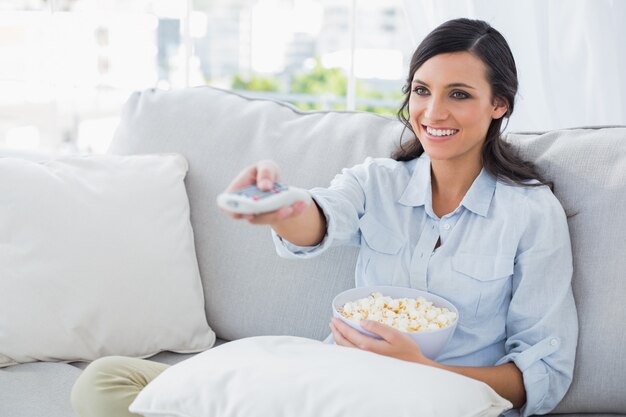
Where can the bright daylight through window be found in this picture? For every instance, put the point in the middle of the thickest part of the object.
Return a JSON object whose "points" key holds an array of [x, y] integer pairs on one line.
{"points": [[67, 66]]}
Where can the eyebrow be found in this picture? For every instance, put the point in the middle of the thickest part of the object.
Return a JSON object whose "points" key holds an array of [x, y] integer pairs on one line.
{"points": [[417, 81]]}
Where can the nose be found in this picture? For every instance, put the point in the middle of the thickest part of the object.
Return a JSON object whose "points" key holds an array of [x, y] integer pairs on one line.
{"points": [[436, 109]]}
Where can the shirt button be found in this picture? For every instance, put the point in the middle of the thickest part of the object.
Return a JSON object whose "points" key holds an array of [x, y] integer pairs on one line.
{"points": [[554, 342], [446, 226]]}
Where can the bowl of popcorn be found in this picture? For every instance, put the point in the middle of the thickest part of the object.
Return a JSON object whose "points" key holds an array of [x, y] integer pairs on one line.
{"points": [[429, 319]]}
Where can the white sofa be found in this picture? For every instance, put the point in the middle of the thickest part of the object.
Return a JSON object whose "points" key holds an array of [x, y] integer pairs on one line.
{"points": [[221, 132]]}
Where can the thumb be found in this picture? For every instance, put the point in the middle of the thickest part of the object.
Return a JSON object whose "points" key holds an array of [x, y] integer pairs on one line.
{"points": [[386, 332], [267, 174]]}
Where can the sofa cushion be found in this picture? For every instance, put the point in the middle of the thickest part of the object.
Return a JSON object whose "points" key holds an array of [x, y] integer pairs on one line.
{"points": [[588, 169], [37, 390], [249, 290], [97, 259]]}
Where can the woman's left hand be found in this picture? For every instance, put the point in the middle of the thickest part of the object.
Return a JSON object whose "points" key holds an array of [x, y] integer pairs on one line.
{"points": [[394, 343]]}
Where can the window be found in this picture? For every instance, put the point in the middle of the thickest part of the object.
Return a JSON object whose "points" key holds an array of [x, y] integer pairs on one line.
{"points": [[67, 66]]}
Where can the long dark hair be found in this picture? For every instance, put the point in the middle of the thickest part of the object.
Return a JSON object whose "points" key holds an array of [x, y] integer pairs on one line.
{"points": [[480, 39]]}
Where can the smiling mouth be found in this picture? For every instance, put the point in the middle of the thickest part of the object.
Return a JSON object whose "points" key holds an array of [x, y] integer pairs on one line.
{"points": [[441, 133]]}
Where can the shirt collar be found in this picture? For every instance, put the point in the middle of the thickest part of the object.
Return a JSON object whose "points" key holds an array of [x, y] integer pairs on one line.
{"points": [[479, 196], [418, 190]]}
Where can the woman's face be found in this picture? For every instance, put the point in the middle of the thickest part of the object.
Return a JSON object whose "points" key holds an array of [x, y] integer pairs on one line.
{"points": [[451, 106]]}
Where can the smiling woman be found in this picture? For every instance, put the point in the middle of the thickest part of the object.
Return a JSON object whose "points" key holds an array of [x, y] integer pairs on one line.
{"points": [[474, 83], [455, 214], [461, 112], [475, 224]]}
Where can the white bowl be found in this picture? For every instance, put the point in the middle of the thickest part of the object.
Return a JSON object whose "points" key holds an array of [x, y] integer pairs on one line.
{"points": [[431, 342]]}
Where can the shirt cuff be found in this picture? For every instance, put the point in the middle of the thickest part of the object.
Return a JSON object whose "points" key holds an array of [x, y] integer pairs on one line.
{"points": [[286, 249], [535, 374]]}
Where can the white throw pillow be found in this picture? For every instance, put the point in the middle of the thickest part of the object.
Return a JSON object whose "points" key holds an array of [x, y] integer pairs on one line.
{"points": [[97, 258], [285, 376]]}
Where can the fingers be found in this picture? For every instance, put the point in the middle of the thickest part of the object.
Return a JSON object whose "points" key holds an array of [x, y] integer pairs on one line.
{"points": [[338, 336], [279, 215], [394, 344], [354, 338], [264, 174], [243, 179], [387, 333], [272, 217]]}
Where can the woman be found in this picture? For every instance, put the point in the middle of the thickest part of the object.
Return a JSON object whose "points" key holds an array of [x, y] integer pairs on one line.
{"points": [[456, 213]]}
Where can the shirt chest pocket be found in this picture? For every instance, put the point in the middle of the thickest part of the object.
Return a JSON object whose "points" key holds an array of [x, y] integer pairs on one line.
{"points": [[380, 249], [483, 283]]}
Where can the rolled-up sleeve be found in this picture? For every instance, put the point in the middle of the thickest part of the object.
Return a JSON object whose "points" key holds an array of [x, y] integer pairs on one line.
{"points": [[542, 325], [342, 203]]}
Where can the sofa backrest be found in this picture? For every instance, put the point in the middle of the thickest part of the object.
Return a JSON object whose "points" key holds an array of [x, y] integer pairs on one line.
{"points": [[588, 168], [250, 291]]}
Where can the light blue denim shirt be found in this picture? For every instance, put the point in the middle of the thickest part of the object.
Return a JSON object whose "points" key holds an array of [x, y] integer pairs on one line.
{"points": [[505, 261]]}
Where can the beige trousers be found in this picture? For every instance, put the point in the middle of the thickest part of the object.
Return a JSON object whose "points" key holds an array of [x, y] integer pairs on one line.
{"points": [[109, 385]]}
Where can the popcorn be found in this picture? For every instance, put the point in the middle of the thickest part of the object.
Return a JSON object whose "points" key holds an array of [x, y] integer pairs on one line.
{"points": [[405, 314]]}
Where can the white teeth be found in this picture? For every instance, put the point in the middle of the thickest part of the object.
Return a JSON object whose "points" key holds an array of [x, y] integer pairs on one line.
{"points": [[440, 132]]}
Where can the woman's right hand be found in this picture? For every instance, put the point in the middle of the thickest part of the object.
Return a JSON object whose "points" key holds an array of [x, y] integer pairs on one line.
{"points": [[264, 174]]}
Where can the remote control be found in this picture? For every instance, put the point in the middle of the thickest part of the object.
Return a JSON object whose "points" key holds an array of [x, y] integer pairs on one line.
{"points": [[251, 200]]}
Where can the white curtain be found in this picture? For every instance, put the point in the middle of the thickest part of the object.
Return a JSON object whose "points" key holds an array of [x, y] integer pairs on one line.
{"points": [[570, 55]]}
